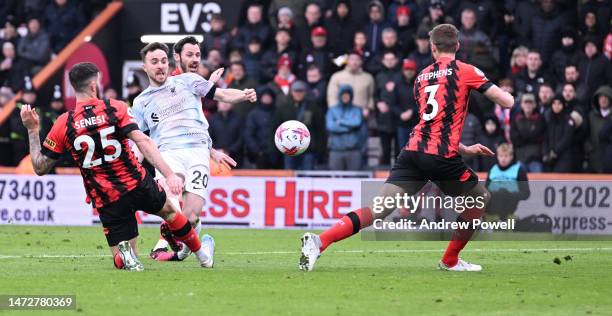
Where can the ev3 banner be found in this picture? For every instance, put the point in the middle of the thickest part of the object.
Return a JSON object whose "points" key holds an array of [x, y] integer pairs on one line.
{"points": [[558, 207]]}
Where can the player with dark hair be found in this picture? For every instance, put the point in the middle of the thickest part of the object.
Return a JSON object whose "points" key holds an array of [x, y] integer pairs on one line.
{"points": [[433, 152], [96, 134], [171, 110], [187, 55]]}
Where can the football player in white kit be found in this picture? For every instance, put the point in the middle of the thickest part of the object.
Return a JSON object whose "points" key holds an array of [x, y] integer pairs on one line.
{"points": [[171, 110]]}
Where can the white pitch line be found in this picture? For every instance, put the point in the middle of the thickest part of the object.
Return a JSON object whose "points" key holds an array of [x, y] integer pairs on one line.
{"points": [[258, 253]]}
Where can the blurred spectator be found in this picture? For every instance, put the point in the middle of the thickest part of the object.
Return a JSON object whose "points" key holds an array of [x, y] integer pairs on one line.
{"points": [[591, 26], [389, 43], [244, 6], [281, 47], [598, 117], [313, 16], [284, 19], [594, 68], [406, 30], [226, 131], [492, 137], [253, 59], [63, 21], [12, 70], [343, 123], [218, 37], [317, 87], [6, 158], [110, 93], [557, 151], [360, 47], [422, 55], [486, 14], [482, 58], [361, 82], [296, 6], [472, 134], [34, 48], [259, 132], [527, 131], [341, 27], [133, 88], [530, 79], [386, 82], [9, 32], [470, 36], [545, 28], [214, 59], [255, 26], [376, 24], [504, 115], [50, 115], [602, 10], [605, 140], [567, 54], [507, 181], [317, 53], [435, 16], [241, 81], [518, 61], [399, 8], [545, 96], [572, 75], [311, 115], [283, 80], [19, 134], [404, 107]]}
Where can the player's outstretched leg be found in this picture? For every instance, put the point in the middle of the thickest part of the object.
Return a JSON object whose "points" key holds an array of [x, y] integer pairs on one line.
{"points": [[182, 230], [350, 224], [160, 250], [451, 261]]}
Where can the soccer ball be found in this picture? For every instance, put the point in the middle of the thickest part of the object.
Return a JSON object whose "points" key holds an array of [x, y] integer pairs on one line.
{"points": [[292, 138]]}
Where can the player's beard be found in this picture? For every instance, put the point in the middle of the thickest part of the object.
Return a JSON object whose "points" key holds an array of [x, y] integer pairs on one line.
{"points": [[184, 67], [158, 82]]}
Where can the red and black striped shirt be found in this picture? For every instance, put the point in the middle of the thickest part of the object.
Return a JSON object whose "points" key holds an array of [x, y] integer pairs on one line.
{"points": [[95, 134], [442, 91]]}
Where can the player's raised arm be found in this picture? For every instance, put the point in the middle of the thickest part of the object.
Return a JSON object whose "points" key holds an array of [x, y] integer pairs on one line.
{"points": [[499, 96], [42, 163], [149, 150]]}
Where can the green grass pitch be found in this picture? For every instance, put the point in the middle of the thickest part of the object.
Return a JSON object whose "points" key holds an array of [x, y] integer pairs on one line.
{"points": [[256, 273]]}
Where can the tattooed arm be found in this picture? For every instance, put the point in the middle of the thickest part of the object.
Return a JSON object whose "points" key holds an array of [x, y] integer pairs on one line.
{"points": [[41, 163]]}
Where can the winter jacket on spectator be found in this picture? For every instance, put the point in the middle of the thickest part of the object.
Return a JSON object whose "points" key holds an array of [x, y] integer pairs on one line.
{"points": [[265, 5], [602, 10], [486, 15], [261, 30], [296, 6], [595, 71], [316, 94], [62, 24], [35, 48], [482, 58], [321, 57], [527, 134], [216, 40], [469, 39], [341, 30], [605, 139], [343, 122], [472, 133], [561, 58], [557, 152], [422, 59], [269, 62], [386, 81], [259, 133], [523, 14], [545, 32], [597, 119], [406, 36], [242, 108], [362, 84], [373, 30], [491, 140], [226, 131], [524, 83], [403, 95], [309, 114]]}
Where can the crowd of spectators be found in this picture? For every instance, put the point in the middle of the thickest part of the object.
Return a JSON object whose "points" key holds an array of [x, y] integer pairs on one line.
{"points": [[350, 78]]}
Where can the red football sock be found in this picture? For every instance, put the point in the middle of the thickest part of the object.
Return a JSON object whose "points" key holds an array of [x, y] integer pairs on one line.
{"points": [[348, 225], [460, 238], [181, 228], [118, 261]]}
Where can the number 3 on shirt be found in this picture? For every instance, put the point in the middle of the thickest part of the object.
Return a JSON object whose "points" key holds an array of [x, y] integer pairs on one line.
{"points": [[431, 100], [91, 147]]}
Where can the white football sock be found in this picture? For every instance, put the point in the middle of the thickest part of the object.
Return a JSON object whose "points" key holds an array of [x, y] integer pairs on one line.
{"points": [[161, 244]]}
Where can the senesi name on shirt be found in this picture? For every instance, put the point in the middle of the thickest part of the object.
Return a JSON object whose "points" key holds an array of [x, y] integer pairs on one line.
{"points": [[96, 120]]}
